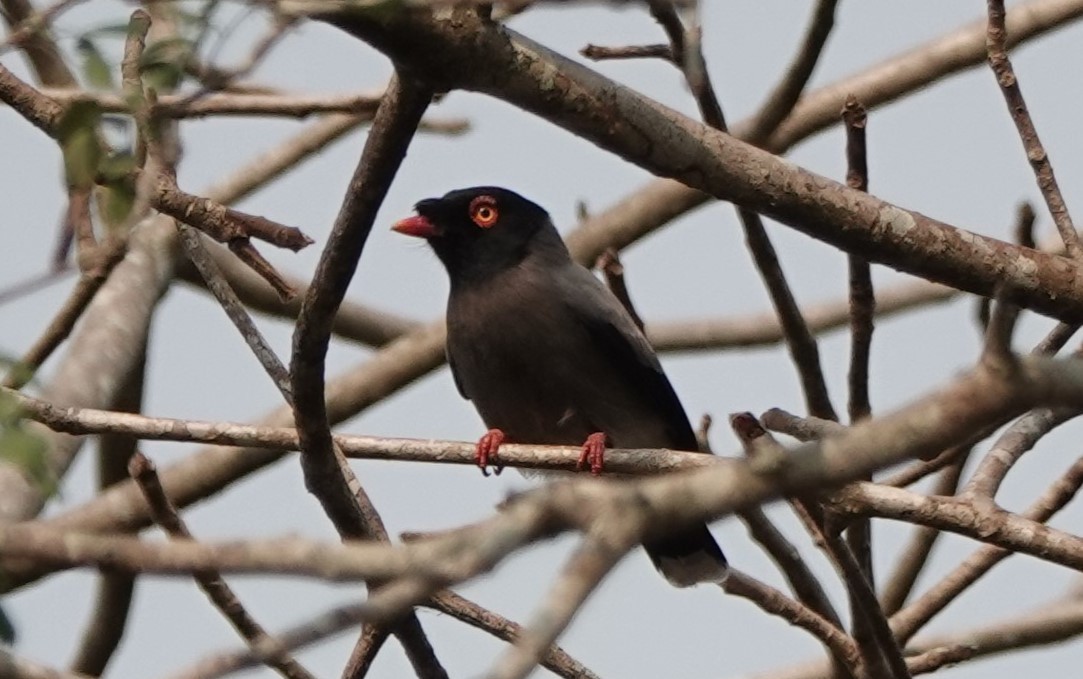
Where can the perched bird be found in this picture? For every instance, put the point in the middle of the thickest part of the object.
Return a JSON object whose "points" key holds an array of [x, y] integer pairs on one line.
{"points": [[547, 354]]}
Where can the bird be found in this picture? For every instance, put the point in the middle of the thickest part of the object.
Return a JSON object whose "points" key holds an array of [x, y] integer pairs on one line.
{"points": [[548, 355]]}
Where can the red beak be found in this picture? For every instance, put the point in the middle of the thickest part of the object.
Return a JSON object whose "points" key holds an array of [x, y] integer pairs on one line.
{"points": [[416, 226]]}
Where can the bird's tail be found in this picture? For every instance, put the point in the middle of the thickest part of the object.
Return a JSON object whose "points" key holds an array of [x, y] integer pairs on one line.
{"points": [[689, 558]]}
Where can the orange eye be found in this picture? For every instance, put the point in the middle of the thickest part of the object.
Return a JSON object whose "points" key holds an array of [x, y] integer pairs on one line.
{"points": [[483, 211]]}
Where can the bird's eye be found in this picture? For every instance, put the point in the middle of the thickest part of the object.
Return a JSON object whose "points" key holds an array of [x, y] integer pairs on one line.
{"points": [[483, 211]]}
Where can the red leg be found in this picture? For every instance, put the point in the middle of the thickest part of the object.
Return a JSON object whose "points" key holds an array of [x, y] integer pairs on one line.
{"points": [[486, 451], [593, 453]]}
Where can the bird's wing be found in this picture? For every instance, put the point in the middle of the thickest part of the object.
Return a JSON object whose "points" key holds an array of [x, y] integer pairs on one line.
{"points": [[455, 376], [614, 335]]}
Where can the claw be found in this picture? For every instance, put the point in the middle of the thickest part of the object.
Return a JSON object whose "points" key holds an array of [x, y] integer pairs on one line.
{"points": [[593, 454], [486, 452]]}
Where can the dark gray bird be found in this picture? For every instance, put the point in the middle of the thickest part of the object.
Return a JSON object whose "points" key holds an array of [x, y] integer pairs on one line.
{"points": [[547, 354]]}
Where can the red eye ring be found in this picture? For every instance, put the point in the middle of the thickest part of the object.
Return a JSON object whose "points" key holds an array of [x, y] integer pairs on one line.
{"points": [[483, 211]]}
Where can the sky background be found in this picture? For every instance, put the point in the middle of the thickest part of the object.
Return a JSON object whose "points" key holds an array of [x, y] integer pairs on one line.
{"points": [[950, 152]]}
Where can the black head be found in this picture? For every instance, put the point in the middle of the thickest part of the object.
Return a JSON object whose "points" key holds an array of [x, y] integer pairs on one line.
{"points": [[480, 231]]}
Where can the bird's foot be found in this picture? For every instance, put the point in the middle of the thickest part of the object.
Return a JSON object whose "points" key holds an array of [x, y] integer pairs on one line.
{"points": [[593, 454], [485, 453]]}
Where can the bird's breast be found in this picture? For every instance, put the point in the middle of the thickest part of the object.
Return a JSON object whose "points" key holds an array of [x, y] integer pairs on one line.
{"points": [[515, 355]]}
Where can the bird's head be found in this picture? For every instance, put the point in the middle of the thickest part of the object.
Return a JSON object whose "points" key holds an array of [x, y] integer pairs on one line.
{"points": [[480, 231]]}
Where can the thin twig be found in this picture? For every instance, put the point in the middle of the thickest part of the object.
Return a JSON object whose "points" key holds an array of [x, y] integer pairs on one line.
{"points": [[233, 307], [272, 104], [871, 633], [215, 78], [325, 625], [211, 582], [1053, 342], [1024, 225], [20, 668], [864, 603], [862, 311], [801, 428], [610, 265], [113, 603], [913, 558], [802, 581], [603, 52], [911, 619], [222, 223], [774, 602], [34, 282], [109, 254], [996, 43], [1010, 446], [862, 299], [782, 99], [924, 468], [555, 660], [35, 24], [601, 549], [799, 339]]}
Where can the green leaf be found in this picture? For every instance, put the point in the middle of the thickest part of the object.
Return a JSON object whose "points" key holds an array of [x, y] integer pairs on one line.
{"points": [[78, 135], [163, 77], [167, 51], [116, 200], [22, 373], [162, 63], [27, 450], [109, 30], [24, 448], [97, 71], [116, 167]]}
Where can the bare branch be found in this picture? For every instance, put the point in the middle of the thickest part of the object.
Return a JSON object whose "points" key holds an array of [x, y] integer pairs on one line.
{"points": [[783, 98], [326, 474], [604, 545], [720, 487], [64, 322], [211, 582], [556, 659], [799, 339], [862, 299], [602, 53], [362, 105], [996, 41], [222, 292], [21, 668], [113, 602], [1019, 438], [909, 620], [801, 428], [804, 584], [394, 127], [1048, 624], [913, 558], [862, 311], [774, 602], [610, 265], [319, 628]]}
